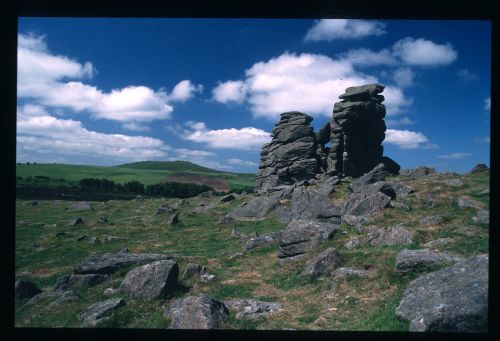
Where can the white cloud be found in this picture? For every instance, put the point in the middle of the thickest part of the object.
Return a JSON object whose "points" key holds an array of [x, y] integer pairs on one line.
{"points": [[407, 139], [187, 153], [247, 138], [44, 77], [240, 162], [403, 76], [455, 156], [424, 52], [230, 91], [332, 29], [487, 103], [135, 126], [306, 82], [45, 134], [366, 57], [403, 121], [466, 75], [185, 90]]}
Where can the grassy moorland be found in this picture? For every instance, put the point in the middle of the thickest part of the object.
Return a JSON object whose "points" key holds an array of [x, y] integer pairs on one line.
{"points": [[47, 247], [148, 172]]}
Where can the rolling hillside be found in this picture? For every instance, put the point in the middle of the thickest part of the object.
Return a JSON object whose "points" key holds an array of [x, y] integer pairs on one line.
{"points": [[148, 172]]}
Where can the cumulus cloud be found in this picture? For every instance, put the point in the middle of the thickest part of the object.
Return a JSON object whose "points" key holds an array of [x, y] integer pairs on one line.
{"points": [[135, 126], [240, 162], [367, 57], [455, 156], [407, 139], [466, 75], [333, 29], [306, 82], [248, 138], [185, 90], [424, 52], [50, 80], [46, 134], [487, 103], [403, 76], [230, 91]]}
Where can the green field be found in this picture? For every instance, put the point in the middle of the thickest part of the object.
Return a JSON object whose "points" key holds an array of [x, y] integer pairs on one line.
{"points": [[147, 172], [47, 247]]}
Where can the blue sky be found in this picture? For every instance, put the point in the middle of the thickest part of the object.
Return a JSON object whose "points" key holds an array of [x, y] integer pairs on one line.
{"points": [[111, 91]]}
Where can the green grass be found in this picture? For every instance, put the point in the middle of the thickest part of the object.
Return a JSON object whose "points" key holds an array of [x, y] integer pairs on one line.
{"points": [[121, 174]]}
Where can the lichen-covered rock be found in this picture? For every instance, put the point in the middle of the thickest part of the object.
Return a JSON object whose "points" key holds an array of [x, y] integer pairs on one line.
{"points": [[252, 309], [431, 220], [482, 216], [389, 236], [100, 312], [438, 242], [78, 282], [417, 260], [265, 239], [151, 281], [453, 299], [323, 264], [80, 206], [300, 236], [351, 271], [362, 204], [108, 263], [196, 312], [309, 203]]}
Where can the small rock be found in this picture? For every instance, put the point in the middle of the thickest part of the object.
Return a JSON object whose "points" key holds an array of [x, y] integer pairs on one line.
{"points": [[80, 206], [432, 220], [227, 198], [80, 238], [61, 283], [356, 221], [110, 291], [226, 220], [99, 312], [235, 255], [323, 264], [95, 240], [174, 219], [482, 216], [259, 241], [77, 282], [50, 225], [207, 278], [389, 236], [252, 309], [103, 220], [151, 281], [485, 191], [453, 182], [193, 270], [164, 209], [464, 202], [396, 204], [438, 242], [351, 244], [26, 289], [196, 312], [468, 231], [237, 233], [34, 203], [351, 271], [60, 234], [77, 221]]}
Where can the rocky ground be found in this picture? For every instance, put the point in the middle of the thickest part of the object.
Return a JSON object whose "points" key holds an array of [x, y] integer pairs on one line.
{"points": [[376, 253]]}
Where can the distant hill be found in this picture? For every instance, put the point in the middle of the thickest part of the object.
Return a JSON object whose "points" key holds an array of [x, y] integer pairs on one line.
{"points": [[176, 166]]}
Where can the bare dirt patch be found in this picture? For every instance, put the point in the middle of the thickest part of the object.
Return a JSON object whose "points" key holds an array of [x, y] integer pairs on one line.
{"points": [[217, 184]]}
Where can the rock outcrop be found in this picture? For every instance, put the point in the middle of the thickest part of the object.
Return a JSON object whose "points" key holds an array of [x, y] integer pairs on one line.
{"points": [[357, 131], [291, 155]]}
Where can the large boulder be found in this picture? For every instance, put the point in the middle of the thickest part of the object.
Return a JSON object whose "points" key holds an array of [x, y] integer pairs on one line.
{"points": [[376, 174], [196, 312], [323, 264], [300, 236], [309, 203], [100, 312], [152, 281], [26, 289], [392, 166], [108, 263], [417, 260], [454, 299]]}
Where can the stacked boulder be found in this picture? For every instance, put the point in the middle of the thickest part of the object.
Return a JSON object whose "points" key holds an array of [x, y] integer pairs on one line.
{"points": [[357, 130], [291, 156]]}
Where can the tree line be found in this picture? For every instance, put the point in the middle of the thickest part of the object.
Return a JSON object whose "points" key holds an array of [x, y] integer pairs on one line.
{"points": [[168, 189]]}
